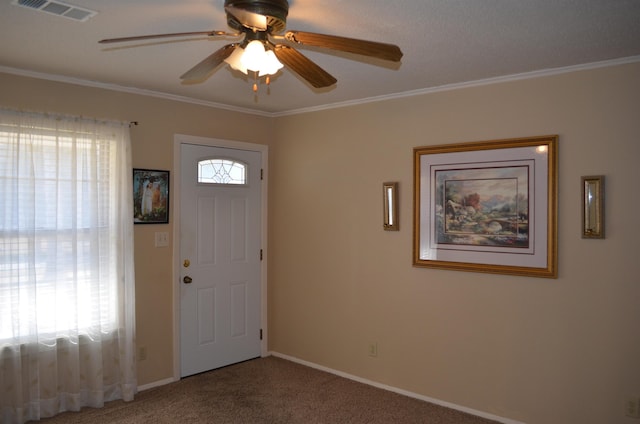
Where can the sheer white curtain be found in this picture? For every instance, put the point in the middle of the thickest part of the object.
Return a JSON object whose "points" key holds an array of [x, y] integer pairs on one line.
{"points": [[67, 322]]}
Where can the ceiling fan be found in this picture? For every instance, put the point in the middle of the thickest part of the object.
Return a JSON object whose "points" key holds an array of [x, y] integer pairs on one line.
{"points": [[262, 23]]}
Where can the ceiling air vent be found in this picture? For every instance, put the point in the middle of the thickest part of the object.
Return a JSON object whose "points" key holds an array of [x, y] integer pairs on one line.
{"points": [[57, 8]]}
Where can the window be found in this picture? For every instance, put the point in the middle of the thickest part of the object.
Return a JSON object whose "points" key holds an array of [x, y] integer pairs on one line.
{"points": [[59, 232], [222, 171], [66, 264]]}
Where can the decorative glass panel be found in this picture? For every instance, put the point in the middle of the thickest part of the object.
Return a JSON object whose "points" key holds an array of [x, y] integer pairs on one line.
{"points": [[222, 171]]}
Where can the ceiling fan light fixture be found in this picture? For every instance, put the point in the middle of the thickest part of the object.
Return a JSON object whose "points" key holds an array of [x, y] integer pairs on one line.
{"points": [[235, 60], [271, 64], [254, 57]]}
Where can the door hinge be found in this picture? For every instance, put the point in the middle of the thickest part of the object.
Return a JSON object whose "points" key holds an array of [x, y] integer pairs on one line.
{"points": [[260, 254], [261, 174], [261, 334]]}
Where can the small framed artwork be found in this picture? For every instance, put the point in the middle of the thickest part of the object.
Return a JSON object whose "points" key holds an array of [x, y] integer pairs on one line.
{"points": [[487, 206], [150, 196]]}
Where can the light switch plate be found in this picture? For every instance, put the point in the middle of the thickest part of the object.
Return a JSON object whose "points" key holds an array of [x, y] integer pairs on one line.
{"points": [[162, 239]]}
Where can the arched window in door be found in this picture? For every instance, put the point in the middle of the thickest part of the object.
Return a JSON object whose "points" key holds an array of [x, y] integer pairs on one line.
{"points": [[222, 171]]}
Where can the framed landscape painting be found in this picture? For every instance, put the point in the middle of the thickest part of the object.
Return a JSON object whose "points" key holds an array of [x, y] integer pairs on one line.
{"points": [[487, 206], [150, 196]]}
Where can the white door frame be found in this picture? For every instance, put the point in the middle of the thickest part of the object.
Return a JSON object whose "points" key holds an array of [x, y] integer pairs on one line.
{"points": [[179, 139]]}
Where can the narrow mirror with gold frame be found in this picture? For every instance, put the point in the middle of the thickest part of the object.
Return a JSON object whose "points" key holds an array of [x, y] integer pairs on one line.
{"points": [[593, 206], [390, 206]]}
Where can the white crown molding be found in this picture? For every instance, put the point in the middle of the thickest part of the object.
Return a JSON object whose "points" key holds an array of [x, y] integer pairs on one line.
{"points": [[130, 90], [412, 93], [477, 83]]}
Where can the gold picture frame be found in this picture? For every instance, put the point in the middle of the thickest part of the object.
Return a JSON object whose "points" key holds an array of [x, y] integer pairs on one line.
{"points": [[488, 206], [593, 206]]}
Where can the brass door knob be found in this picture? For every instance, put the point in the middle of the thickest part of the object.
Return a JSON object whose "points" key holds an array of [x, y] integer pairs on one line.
{"points": [[187, 279]]}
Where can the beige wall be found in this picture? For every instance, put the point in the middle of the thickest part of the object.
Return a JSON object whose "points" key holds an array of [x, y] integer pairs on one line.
{"points": [[152, 147], [535, 350], [529, 349]]}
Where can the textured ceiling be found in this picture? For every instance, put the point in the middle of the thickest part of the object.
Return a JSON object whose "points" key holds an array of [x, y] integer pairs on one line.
{"points": [[445, 42]]}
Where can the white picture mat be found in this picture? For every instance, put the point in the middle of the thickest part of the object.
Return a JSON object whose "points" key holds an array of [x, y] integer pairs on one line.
{"points": [[535, 157]]}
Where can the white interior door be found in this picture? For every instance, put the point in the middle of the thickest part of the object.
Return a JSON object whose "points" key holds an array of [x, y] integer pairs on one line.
{"points": [[220, 242]]}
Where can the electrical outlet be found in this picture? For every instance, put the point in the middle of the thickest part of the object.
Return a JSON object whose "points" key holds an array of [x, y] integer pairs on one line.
{"points": [[632, 407], [373, 349], [142, 353]]}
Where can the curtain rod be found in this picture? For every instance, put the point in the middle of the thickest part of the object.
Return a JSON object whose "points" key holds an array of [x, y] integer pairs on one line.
{"points": [[133, 124]]}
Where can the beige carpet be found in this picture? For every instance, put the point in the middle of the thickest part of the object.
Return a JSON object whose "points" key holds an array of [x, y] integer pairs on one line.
{"points": [[270, 391]]}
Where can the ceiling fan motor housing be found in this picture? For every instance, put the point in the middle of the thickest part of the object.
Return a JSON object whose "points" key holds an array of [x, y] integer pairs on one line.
{"points": [[276, 12]]}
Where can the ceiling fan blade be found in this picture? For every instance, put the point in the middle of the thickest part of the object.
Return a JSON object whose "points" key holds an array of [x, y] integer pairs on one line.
{"points": [[175, 34], [350, 45], [301, 65], [202, 70], [249, 19]]}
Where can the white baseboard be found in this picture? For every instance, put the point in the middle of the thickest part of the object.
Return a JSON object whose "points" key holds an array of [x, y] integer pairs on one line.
{"points": [[156, 384], [397, 390]]}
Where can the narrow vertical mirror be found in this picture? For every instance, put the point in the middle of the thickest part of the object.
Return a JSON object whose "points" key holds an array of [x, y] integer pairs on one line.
{"points": [[390, 206], [593, 206]]}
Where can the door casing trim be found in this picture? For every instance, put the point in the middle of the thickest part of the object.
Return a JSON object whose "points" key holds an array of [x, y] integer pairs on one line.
{"points": [[178, 140]]}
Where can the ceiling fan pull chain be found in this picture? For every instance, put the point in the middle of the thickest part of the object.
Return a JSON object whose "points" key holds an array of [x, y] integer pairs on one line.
{"points": [[255, 82]]}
